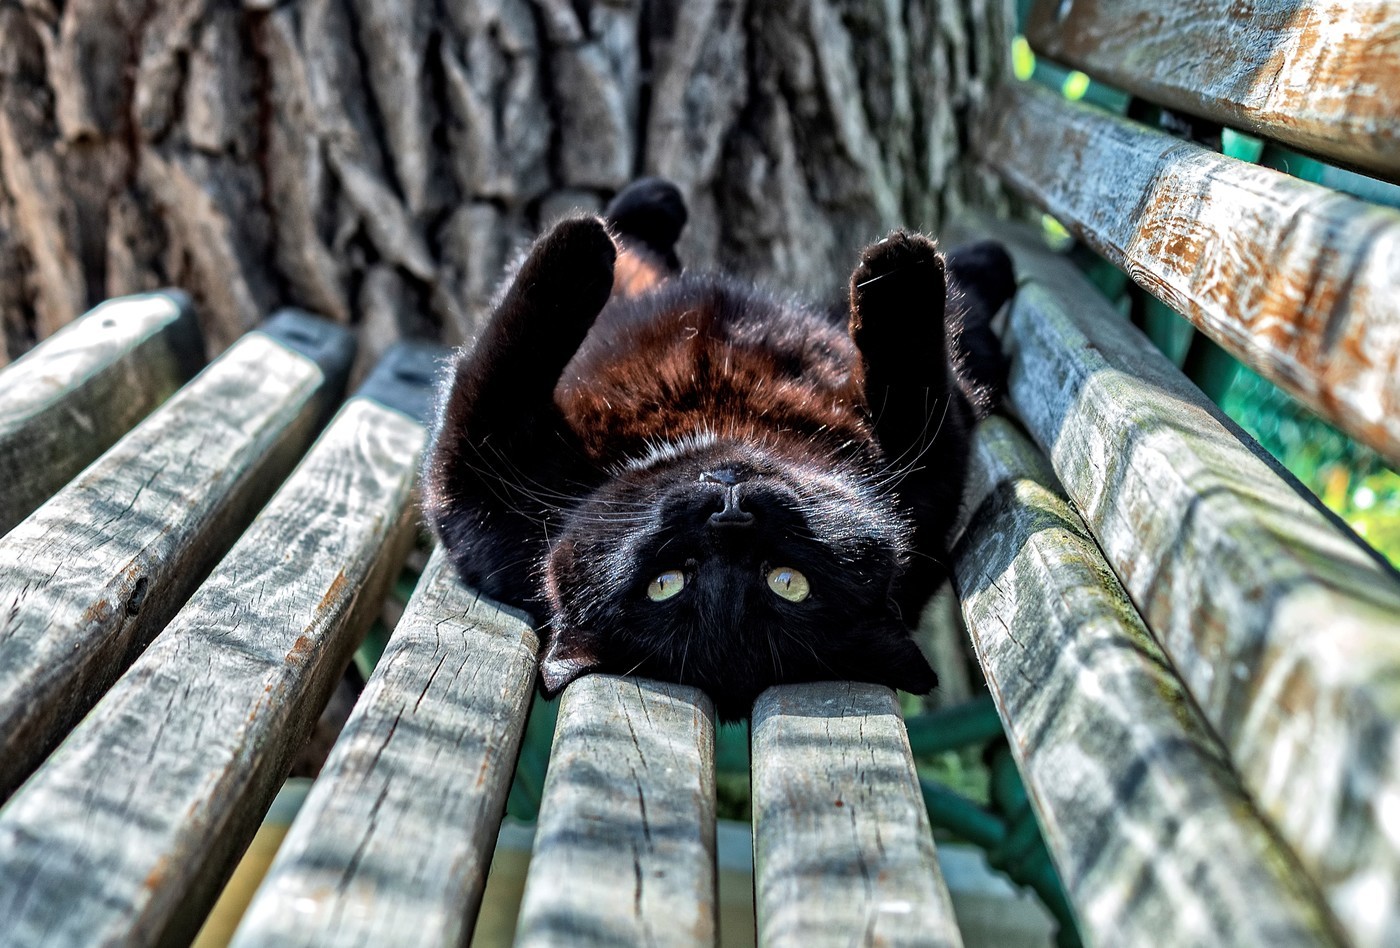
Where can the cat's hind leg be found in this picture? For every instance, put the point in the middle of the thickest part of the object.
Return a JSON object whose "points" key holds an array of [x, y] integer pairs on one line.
{"points": [[650, 213], [647, 216], [898, 297], [508, 375], [501, 456], [981, 278]]}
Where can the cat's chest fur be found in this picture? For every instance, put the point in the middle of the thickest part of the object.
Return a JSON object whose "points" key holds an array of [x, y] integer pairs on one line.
{"points": [[704, 356]]}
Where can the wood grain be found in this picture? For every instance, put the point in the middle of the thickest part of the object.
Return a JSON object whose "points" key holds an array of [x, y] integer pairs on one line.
{"points": [[71, 397], [625, 850], [1299, 282], [1156, 841], [393, 845], [92, 575], [843, 851], [1285, 629], [129, 831], [1323, 75]]}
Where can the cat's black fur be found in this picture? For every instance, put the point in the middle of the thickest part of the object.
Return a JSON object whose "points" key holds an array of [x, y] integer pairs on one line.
{"points": [[618, 419]]}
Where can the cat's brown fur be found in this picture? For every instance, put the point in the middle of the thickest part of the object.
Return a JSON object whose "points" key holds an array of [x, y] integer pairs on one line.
{"points": [[619, 420]]}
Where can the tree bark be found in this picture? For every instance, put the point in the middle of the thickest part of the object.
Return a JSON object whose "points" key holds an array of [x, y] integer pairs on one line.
{"points": [[378, 161]]}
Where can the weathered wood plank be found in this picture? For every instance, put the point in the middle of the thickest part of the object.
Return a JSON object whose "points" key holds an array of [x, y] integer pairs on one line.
{"points": [[843, 851], [393, 845], [72, 396], [126, 834], [1156, 841], [1323, 75], [91, 576], [1299, 282], [625, 850], [1285, 629]]}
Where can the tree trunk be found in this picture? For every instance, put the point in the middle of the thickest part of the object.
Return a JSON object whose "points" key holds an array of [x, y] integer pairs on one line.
{"points": [[377, 161]]}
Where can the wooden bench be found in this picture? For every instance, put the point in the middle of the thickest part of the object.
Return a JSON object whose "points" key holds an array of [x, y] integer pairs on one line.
{"points": [[1194, 664], [151, 713]]}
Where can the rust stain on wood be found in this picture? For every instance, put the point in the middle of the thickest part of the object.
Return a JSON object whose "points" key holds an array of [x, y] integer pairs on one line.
{"points": [[334, 594], [156, 876], [1297, 281], [97, 612], [301, 650]]}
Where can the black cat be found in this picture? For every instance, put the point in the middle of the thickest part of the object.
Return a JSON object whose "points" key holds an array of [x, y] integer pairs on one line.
{"points": [[695, 480]]}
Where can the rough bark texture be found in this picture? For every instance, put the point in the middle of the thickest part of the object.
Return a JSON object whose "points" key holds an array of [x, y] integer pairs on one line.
{"points": [[378, 161]]}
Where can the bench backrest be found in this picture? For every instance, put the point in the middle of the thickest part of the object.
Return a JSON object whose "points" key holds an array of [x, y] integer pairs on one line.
{"points": [[1246, 643]]}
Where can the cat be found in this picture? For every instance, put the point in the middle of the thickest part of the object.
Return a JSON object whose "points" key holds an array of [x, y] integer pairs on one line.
{"points": [[693, 479]]}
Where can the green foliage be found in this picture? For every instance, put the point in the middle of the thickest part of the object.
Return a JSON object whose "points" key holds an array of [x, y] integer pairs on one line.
{"points": [[962, 771], [1351, 479]]}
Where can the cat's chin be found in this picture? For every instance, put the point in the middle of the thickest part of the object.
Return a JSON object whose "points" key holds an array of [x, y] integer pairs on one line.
{"points": [[883, 654]]}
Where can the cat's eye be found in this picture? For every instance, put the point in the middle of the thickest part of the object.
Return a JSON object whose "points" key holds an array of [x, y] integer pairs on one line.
{"points": [[789, 583], [666, 585]]}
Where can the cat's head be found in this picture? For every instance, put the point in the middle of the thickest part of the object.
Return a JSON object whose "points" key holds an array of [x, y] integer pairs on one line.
{"points": [[731, 567]]}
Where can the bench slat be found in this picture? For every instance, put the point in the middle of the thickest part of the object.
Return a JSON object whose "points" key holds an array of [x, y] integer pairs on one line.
{"points": [[1299, 282], [393, 844], [1285, 630], [72, 396], [1155, 840], [625, 850], [90, 577], [842, 843], [1323, 75], [127, 833]]}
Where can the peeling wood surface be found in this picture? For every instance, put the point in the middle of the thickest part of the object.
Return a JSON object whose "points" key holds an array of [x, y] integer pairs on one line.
{"points": [[843, 851], [90, 577], [625, 850], [1285, 629], [1323, 75], [1299, 282], [74, 395], [393, 845], [1156, 841], [129, 830]]}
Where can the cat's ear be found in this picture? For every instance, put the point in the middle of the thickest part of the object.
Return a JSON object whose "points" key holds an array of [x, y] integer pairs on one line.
{"points": [[909, 670], [568, 656], [890, 657]]}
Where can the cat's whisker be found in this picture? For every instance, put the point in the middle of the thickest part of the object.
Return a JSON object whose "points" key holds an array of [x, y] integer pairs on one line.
{"points": [[575, 468]]}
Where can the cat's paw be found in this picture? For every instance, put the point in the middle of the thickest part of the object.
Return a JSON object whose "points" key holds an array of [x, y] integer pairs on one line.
{"points": [[898, 296], [573, 259], [651, 211], [907, 257], [567, 278]]}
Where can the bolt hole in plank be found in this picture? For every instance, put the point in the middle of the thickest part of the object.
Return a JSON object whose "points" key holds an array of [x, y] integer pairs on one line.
{"points": [[71, 397]]}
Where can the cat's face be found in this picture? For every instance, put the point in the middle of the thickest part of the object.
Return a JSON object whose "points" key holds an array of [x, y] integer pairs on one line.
{"points": [[731, 568]]}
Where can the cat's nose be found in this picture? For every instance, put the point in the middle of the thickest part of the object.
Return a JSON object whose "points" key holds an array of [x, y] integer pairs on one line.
{"points": [[731, 515], [727, 476]]}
